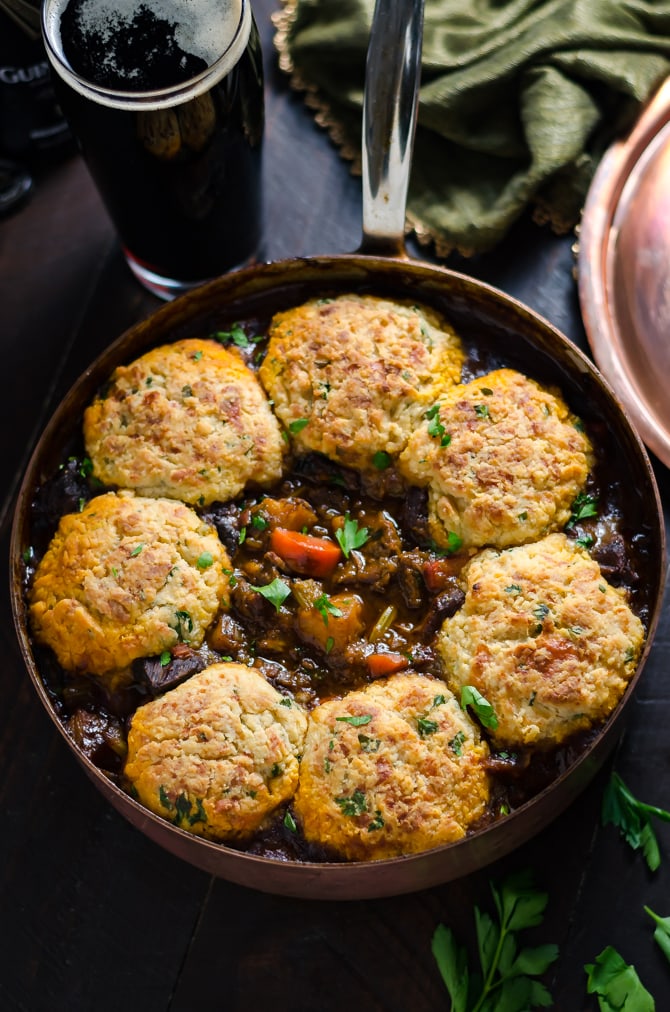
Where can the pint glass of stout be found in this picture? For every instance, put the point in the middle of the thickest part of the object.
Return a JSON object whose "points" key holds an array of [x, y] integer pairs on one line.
{"points": [[165, 99]]}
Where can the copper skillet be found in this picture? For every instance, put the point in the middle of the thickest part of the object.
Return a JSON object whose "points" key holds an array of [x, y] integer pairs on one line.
{"points": [[381, 266]]}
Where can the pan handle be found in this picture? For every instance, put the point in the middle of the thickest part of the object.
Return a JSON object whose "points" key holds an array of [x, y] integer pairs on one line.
{"points": [[390, 105]]}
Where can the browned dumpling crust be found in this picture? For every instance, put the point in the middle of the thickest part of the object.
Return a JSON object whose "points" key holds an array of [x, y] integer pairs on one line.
{"points": [[394, 768], [544, 638], [127, 577], [217, 754], [187, 420], [502, 459], [350, 377]]}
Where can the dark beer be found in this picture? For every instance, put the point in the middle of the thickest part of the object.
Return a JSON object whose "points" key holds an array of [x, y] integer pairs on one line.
{"points": [[170, 127]]}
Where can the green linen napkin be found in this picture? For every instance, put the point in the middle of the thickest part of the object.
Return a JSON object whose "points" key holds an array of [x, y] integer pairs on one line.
{"points": [[519, 99]]}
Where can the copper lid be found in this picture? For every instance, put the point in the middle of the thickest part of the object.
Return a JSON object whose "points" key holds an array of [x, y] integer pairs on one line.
{"points": [[624, 272]]}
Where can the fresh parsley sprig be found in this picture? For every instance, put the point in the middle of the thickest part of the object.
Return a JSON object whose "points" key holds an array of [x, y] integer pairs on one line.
{"points": [[275, 592], [616, 984], [661, 933], [351, 536], [325, 607], [470, 696], [582, 508], [237, 336], [508, 979], [632, 817]]}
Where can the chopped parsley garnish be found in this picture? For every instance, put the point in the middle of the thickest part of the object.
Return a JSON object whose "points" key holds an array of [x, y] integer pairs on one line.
{"points": [[540, 612], [236, 336], [482, 411], [184, 810], [376, 823], [426, 726], [136, 550], [298, 425], [470, 696], [205, 560], [456, 743], [454, 542], [583, 507], [435, 427], [184, 625], [259, 522], [325, 607], [165, 658], [358, 720], [350, 536], [275, 592], [354, 805], [369, 744], [290, 823], [381, 460]]}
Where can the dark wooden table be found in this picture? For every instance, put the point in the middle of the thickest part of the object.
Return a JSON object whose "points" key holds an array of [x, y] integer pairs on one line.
{"points": [[94, 915]]}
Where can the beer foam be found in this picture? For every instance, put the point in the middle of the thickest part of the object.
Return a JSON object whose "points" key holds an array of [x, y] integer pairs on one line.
{"points": [[202, 28]]}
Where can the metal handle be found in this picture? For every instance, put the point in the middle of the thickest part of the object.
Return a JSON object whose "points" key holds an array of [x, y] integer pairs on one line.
{"points": [[390, 105]]}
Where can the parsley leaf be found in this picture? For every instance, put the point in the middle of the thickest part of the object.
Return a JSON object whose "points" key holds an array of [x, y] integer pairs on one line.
{"points": [[452, 962], [617, 984], [275, 592], [351, 536], [507, 980], [325, 607], [381, 460], [357, 720], [470, 696], [435, 427], [583, 507], [290, 822], [662, 932], [354, 805], [183, 625], [235, 335], [622, 809]]}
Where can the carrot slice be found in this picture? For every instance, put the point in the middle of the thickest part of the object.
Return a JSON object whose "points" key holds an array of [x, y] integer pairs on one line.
{"points": [[305, 553], [380, 665], [437, 574]]}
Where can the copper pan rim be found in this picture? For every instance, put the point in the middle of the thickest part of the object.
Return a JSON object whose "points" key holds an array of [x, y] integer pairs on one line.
{"points": [[622, 268], [526, 336]]}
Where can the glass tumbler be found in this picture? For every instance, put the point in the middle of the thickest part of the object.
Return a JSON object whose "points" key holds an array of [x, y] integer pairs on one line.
{"points": [[170, 129]]}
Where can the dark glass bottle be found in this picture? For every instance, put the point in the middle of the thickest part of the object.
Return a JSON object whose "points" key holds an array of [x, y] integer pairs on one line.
{"points": [[31, 123]]}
